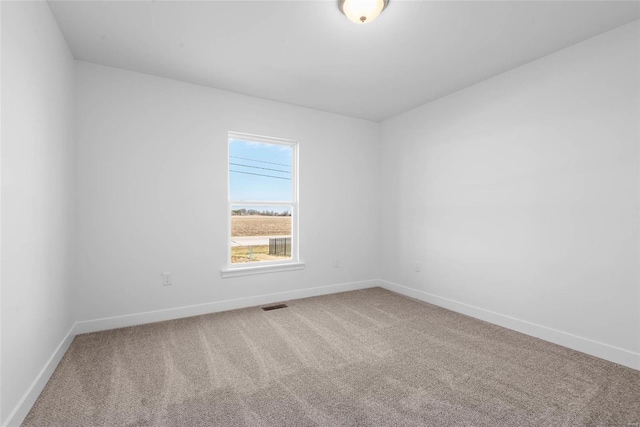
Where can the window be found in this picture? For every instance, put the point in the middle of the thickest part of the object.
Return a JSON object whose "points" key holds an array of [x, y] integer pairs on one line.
{"points": [[263, 205]]}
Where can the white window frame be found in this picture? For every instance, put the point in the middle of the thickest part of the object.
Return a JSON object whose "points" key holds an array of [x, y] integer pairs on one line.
{"points": [[294, 263]]}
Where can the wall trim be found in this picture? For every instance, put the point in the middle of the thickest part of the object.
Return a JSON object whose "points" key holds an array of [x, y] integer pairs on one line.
{"points": [[215, 306], [585, 345], [17, 416]]}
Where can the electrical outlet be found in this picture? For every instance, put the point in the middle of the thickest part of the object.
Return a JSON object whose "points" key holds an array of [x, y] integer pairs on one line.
{"points": [[418, 267], [336, 263], [167, 279]]}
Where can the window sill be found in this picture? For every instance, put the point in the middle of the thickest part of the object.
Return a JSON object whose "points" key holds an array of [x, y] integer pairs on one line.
{"points": [[261, 269]]}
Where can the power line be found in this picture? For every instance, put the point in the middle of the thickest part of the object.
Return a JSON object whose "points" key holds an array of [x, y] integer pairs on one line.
{"points": [[258, 167], [259, 174], [261, 161]]}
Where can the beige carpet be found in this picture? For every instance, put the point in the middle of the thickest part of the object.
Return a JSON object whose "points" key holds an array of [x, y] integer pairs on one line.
{"points": [[362, 358]]}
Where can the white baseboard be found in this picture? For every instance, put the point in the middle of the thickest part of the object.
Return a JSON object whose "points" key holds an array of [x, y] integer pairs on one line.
{"points": [[24, 405], [214, 307], [18, 415], [585, 345]]}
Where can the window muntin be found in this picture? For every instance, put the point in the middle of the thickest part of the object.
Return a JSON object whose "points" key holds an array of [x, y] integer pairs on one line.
{"points": [[263, 201]]}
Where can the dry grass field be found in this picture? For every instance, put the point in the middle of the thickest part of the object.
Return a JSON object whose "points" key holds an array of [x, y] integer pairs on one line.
{"points": [[258, 225], [256, 253]]}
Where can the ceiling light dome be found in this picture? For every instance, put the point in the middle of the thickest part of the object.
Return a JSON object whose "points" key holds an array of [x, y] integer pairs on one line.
{"points": [[362, 11]]}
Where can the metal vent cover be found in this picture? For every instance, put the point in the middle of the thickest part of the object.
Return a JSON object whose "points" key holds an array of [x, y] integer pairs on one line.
{"points": [[274, 307]]}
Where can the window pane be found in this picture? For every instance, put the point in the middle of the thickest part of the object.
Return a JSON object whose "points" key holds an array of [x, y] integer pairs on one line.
{"points": [[260, 171], [260, 233]]}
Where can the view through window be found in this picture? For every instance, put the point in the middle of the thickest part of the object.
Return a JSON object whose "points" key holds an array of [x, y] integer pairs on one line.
{"points": [[262, 199]]}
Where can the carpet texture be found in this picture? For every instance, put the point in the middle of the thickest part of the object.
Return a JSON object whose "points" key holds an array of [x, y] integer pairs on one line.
{"points": [[361, 358]]}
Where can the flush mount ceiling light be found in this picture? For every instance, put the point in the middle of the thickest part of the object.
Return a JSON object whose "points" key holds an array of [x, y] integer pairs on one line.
{"points": [[362, 11]]}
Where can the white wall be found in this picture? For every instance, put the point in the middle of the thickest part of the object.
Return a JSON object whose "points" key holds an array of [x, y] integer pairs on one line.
{"points": [[152, 193], [520, 196], [37, 194]]}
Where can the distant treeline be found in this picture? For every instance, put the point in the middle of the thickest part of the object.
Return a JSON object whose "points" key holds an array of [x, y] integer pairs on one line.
{"points": [[257, 212]]}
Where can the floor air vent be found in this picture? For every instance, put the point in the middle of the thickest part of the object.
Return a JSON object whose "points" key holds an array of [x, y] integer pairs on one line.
{"points": [[274, 307]]}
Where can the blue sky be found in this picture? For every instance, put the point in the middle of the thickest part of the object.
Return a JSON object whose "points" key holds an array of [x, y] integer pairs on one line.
{"points": [[259, 171]]}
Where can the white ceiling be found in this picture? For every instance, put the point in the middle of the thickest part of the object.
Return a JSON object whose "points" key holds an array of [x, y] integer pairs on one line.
{"points": [[307, 53]]}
